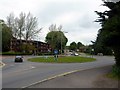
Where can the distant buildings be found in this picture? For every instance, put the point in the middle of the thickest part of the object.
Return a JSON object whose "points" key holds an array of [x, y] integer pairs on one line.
{"points": [[39, 47]]}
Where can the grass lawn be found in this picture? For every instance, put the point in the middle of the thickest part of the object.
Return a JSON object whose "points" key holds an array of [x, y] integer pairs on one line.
{"points": [[70, 59]]}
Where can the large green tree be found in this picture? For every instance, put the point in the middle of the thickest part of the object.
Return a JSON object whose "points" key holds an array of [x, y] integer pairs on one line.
{"points": [[6, 36], [99, 47], [109, 34], [56, 38]]}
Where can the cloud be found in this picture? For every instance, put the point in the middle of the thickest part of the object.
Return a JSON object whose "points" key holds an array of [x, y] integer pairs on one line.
{"points": [[76, 16], [67, 18]]}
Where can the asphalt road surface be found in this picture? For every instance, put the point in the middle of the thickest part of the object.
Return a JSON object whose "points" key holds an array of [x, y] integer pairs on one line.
{"points": [[19, 75], [90, 78]]}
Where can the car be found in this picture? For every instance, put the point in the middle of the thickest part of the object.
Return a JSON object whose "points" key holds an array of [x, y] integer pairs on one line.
{"points": [[18, 58], [100, 54], [76, 54]]}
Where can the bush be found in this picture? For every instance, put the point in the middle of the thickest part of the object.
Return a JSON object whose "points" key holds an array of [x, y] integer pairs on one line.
{"points": [[14, 53], [45, 53], [116, 71]]}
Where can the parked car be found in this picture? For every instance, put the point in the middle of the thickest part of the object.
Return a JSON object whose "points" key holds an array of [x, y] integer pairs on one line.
{"points": [[100, 54], [18, 58], [76, 54]]}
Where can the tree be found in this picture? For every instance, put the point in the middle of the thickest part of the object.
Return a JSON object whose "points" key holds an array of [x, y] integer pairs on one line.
{"points": [[56, 38], [109, 34], [53, 27], [31, 29], [99, 47], [6, 37], [23, 27], [79, 44], [28, 48], [73, 46]]}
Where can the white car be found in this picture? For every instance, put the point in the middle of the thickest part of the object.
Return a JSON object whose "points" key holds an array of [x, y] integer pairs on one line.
{"points": [[76, 54]]}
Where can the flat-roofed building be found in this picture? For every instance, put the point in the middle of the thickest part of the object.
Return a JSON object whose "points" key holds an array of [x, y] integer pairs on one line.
{"points": [[40, 47]]}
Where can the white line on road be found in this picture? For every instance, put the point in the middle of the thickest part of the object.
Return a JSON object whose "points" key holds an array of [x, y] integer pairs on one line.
{"points": [[21, 70], [53, 77], [59, 75]]}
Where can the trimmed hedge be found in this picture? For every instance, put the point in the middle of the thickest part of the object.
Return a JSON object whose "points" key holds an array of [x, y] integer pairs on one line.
{"points": [[21, 53], [14, 53]]}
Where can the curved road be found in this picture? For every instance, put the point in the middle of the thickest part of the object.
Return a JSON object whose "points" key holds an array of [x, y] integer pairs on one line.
{"points": [[18, 75]]}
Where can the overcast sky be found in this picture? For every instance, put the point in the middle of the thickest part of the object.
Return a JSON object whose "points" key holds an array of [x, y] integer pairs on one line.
{"points": [[76, 16]]}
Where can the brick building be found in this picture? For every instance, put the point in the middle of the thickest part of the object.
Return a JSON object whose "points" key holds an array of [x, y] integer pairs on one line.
{"points": [[40, 47]]}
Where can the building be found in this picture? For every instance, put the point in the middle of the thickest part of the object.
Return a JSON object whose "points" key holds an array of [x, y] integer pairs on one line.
{"points": [[39, 47]]}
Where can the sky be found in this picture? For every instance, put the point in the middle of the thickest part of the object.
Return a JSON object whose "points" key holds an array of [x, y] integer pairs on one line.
{"points": [[76, 16]]}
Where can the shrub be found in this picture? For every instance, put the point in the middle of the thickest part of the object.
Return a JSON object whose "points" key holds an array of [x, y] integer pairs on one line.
{"points": [[116, 71], [14, 53]]}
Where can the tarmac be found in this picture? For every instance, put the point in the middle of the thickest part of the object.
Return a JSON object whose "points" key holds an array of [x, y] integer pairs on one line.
{"points": [[90, 78]]}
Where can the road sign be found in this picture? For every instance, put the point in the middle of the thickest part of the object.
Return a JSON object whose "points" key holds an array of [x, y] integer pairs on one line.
{"points": [[55, 51]]}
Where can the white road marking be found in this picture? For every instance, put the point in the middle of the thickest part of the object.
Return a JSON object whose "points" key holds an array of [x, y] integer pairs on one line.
{"points": [[59, 75], [53, 77], [31, 67]]}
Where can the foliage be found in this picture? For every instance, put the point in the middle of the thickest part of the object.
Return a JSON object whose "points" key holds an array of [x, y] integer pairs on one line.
{"points": [[116, 71], [24, 26], [6, 37], [73, 46], [88, 49], [31, 27], [56, 39], [115, 74], [28, 48], [101, 48], [74, 59], [79, 44], [109, 34], [14, 53]]}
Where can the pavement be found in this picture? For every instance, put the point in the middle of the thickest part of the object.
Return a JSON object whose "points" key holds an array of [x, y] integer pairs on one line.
{"points": [[90, 78]]}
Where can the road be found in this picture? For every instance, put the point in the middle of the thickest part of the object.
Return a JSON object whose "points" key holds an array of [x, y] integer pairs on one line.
{"points": [[90, 78], [19, 75]]}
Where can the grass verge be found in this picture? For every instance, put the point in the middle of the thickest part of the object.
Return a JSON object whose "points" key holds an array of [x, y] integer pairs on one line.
{"points": [[115, 74], [70, 59], [112, 76]]}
